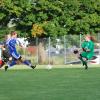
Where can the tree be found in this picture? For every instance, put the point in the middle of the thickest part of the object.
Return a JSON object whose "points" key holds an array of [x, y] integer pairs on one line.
{"points": [[63, 16], [38, 18]]}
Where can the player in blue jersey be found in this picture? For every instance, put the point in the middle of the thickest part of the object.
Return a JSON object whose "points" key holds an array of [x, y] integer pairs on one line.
{"points": [[16, 57]]}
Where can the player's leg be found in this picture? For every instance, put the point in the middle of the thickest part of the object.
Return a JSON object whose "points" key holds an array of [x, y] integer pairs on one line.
{"points": [[85, 60], [82, 57], [19, 59], [10, 64], [88, 57], [78, 54], [26, 62]]}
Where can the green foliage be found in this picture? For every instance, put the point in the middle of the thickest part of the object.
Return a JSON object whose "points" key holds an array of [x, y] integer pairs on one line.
{"points": [[2, 15], [62, 16]]}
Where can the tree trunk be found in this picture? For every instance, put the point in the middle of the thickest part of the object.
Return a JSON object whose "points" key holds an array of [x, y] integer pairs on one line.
{"points": [[42, 53]]}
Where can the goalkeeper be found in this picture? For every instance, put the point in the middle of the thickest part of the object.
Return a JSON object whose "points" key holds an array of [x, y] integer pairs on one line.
{"points": [[87, 50]]}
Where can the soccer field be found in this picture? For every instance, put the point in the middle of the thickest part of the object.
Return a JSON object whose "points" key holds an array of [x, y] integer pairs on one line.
{"points": [[55, 84]]}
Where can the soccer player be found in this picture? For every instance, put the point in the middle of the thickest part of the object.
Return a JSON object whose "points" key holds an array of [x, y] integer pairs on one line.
{"points": [[5, 51], [87, 50], [16, 57], [5, 56]]}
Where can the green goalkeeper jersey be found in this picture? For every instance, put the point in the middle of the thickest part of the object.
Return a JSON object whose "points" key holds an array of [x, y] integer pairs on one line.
{"points": [[88, 46]]}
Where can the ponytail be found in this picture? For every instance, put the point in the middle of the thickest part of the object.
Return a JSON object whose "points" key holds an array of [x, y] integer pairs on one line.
{"points": [[93, 39]]}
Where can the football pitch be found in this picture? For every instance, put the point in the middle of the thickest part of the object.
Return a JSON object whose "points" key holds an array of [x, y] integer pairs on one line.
{"points": [[54, 84]]}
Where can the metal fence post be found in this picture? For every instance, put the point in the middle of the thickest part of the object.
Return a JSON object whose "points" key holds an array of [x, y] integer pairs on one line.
{"points": [[99, 45], [49, 49], [65, 49], [80, 39], [37, 44]]}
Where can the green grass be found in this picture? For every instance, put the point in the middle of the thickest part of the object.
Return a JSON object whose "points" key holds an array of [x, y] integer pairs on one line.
{"points": [[55, 84]]}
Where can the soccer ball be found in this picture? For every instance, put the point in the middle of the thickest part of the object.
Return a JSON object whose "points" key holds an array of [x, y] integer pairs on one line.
{"points": [[75, 51], [49, 67]]}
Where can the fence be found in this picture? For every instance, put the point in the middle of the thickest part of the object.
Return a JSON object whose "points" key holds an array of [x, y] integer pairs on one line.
{"points": [[55, 50]]}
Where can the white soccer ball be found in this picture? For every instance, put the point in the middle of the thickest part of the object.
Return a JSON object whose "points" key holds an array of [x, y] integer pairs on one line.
{"points": [[49, 67], [98, 44]]}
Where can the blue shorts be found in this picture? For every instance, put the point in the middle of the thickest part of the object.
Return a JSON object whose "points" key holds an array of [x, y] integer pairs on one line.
{"points": [[15, 55]]}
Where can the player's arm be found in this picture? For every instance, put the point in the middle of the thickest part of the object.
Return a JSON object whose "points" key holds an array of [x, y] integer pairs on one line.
{"points": [[20, 43], [90, 47]]}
